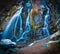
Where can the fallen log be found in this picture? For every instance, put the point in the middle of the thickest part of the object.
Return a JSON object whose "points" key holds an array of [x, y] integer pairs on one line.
{"points": [[40, 47]]}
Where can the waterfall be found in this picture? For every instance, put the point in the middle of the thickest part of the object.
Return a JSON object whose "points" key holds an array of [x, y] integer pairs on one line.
{"points": [[27, 27], [12, 24], [17, 19], [45, 28]]}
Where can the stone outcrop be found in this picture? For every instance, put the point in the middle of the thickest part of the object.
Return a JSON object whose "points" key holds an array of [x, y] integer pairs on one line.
{"points": [[44, 46]]}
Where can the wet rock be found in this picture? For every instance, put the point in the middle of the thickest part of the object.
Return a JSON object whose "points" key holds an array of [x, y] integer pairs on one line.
{"points": [[55, 36], [54, 44], [58, 21], [35, 49], [35, 20], [44, 46]]}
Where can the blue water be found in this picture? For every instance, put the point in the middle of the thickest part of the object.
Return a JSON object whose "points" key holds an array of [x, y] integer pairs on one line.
{"points": [[45, 28], [27, 28], [12, 25]]}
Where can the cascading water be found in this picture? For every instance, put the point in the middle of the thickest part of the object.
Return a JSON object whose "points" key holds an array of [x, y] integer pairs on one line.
{"points": [[45, 28], [27, 26], [12, 25]]}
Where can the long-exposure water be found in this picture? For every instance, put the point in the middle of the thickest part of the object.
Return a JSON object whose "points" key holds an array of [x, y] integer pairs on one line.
{"points": [[12, 25]]}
